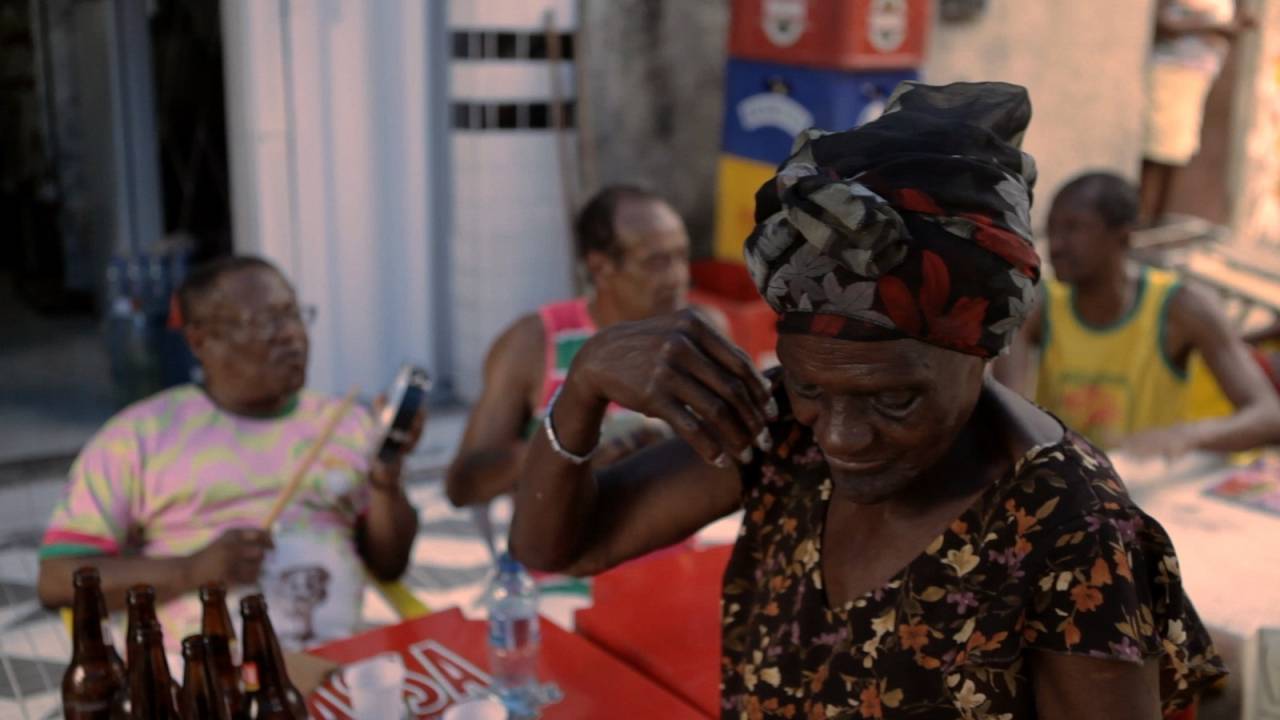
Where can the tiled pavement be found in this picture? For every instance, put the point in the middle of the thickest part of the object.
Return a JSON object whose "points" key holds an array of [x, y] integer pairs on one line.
{"points": [[450, 563]]}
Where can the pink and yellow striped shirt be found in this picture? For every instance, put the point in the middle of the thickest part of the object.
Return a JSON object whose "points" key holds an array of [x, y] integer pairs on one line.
{"points": [[169, 474]]}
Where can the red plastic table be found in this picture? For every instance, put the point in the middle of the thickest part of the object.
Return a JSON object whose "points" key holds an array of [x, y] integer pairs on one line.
{"points": [[661, 615], [446, 660]]}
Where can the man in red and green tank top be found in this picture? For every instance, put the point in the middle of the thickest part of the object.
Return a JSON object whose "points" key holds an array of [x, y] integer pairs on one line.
{"points": [[1116, 339], [636, 250]]}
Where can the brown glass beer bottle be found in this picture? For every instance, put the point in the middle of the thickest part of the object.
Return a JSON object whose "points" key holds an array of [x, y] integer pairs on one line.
{"points": [[200, 698], [226, 678], [90, 684], [215, 619], [108, 637], [151, 688], [270, 694], [140, 601]]}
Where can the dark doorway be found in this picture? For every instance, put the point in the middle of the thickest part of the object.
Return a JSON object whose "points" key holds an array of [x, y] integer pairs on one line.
{"points": [[77, 347]]}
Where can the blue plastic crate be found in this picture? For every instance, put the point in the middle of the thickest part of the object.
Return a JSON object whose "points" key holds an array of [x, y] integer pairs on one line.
{"points": [[767, 104]]}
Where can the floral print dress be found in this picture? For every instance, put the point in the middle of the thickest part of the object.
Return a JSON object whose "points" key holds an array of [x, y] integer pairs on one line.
{"points": [[1055, 557]]}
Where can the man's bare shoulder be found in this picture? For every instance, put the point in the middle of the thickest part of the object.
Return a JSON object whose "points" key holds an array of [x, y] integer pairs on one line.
{"points": [[522, 337], [516, 359], [1193, 311], [1194, 320]]}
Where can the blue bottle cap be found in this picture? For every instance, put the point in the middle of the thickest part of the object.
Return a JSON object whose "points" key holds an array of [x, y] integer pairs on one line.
{"points": [[508, 564]]}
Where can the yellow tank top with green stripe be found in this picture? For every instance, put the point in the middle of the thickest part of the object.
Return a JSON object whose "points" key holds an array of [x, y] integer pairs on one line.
{"points": [[1111, 382]]}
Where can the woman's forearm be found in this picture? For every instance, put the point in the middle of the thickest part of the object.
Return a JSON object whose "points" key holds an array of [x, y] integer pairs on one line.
{"points": [[555, 497]]}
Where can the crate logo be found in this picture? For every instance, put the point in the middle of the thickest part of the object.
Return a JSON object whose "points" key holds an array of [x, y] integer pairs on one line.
{"points": [[875, 107], [784, 20], [774, 109], [887, 23]]}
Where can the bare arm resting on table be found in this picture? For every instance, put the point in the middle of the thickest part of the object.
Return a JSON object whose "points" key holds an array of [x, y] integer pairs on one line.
{"points": [[235, 558], [571, 520], [1195, 323], [492, 448]]}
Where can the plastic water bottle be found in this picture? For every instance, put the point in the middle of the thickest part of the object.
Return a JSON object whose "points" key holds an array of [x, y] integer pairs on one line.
{"points": [[514, 637]]}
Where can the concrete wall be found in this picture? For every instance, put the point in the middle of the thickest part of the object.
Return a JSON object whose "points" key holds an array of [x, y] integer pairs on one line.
{"points": [[1081, 61], [655, 73], [1257, 166]]}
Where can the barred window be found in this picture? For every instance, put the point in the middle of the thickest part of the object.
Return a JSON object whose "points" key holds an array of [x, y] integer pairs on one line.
{"points": [[506, 45], [510, 116]]}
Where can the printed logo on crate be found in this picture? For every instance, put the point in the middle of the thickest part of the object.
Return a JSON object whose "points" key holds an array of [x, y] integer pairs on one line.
{"points": [[768, 104], [784, 21], [887, 24], [774, 109], [833, 34]]}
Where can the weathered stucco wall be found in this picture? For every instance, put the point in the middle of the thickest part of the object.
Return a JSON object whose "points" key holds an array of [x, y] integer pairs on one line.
{"points": [[655, 86], [1257, 219], [655, 90], [1081, 61]]}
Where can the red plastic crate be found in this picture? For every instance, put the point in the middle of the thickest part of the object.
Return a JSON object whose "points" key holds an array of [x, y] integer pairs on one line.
{"points": [[840, 34]]}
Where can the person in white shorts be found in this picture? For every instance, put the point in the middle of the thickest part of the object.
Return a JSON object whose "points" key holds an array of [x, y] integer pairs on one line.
{"points": [[1192, 41]]}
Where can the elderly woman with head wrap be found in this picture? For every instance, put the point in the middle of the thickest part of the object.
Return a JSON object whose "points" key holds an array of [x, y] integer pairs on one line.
{"points": [[917, 541]]}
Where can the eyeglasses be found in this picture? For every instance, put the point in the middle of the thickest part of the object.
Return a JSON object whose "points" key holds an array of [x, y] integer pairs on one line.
{"points": [[263, 326]]}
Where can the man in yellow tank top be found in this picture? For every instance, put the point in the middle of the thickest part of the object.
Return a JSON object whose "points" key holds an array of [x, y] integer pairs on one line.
{"points": [[1115, 338]]}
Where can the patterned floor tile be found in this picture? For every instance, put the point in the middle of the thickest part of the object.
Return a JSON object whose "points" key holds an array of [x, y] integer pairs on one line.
{"points": [[44, 707], [44, 637], [18, 560], [13, 593], [21, 678]]}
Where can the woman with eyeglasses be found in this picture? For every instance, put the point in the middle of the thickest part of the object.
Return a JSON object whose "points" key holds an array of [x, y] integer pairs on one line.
{"points": [[172, 491]]}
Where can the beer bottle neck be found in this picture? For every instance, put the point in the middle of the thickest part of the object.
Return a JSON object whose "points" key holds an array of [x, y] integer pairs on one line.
{"points": [[87, 619], [150, 685], [141, 613], [199, 698], [216, 620], [194, 673], [262, 652]]}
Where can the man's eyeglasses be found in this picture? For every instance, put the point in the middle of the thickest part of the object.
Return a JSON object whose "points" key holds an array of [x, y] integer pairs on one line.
{"points": [[263, 326]]}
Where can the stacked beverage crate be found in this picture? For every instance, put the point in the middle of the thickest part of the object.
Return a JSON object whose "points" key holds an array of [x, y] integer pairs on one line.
{"points": [[796, 64]]}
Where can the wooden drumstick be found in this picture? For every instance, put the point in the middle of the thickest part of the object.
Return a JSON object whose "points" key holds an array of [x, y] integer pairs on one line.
{"points": [[326, 434]]}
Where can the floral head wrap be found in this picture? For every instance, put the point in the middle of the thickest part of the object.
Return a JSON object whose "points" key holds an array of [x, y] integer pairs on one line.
{"points": [[916, 225]]}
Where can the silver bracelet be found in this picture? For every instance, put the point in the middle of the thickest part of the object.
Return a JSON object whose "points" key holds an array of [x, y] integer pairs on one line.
{"points": [[555, 442]]}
